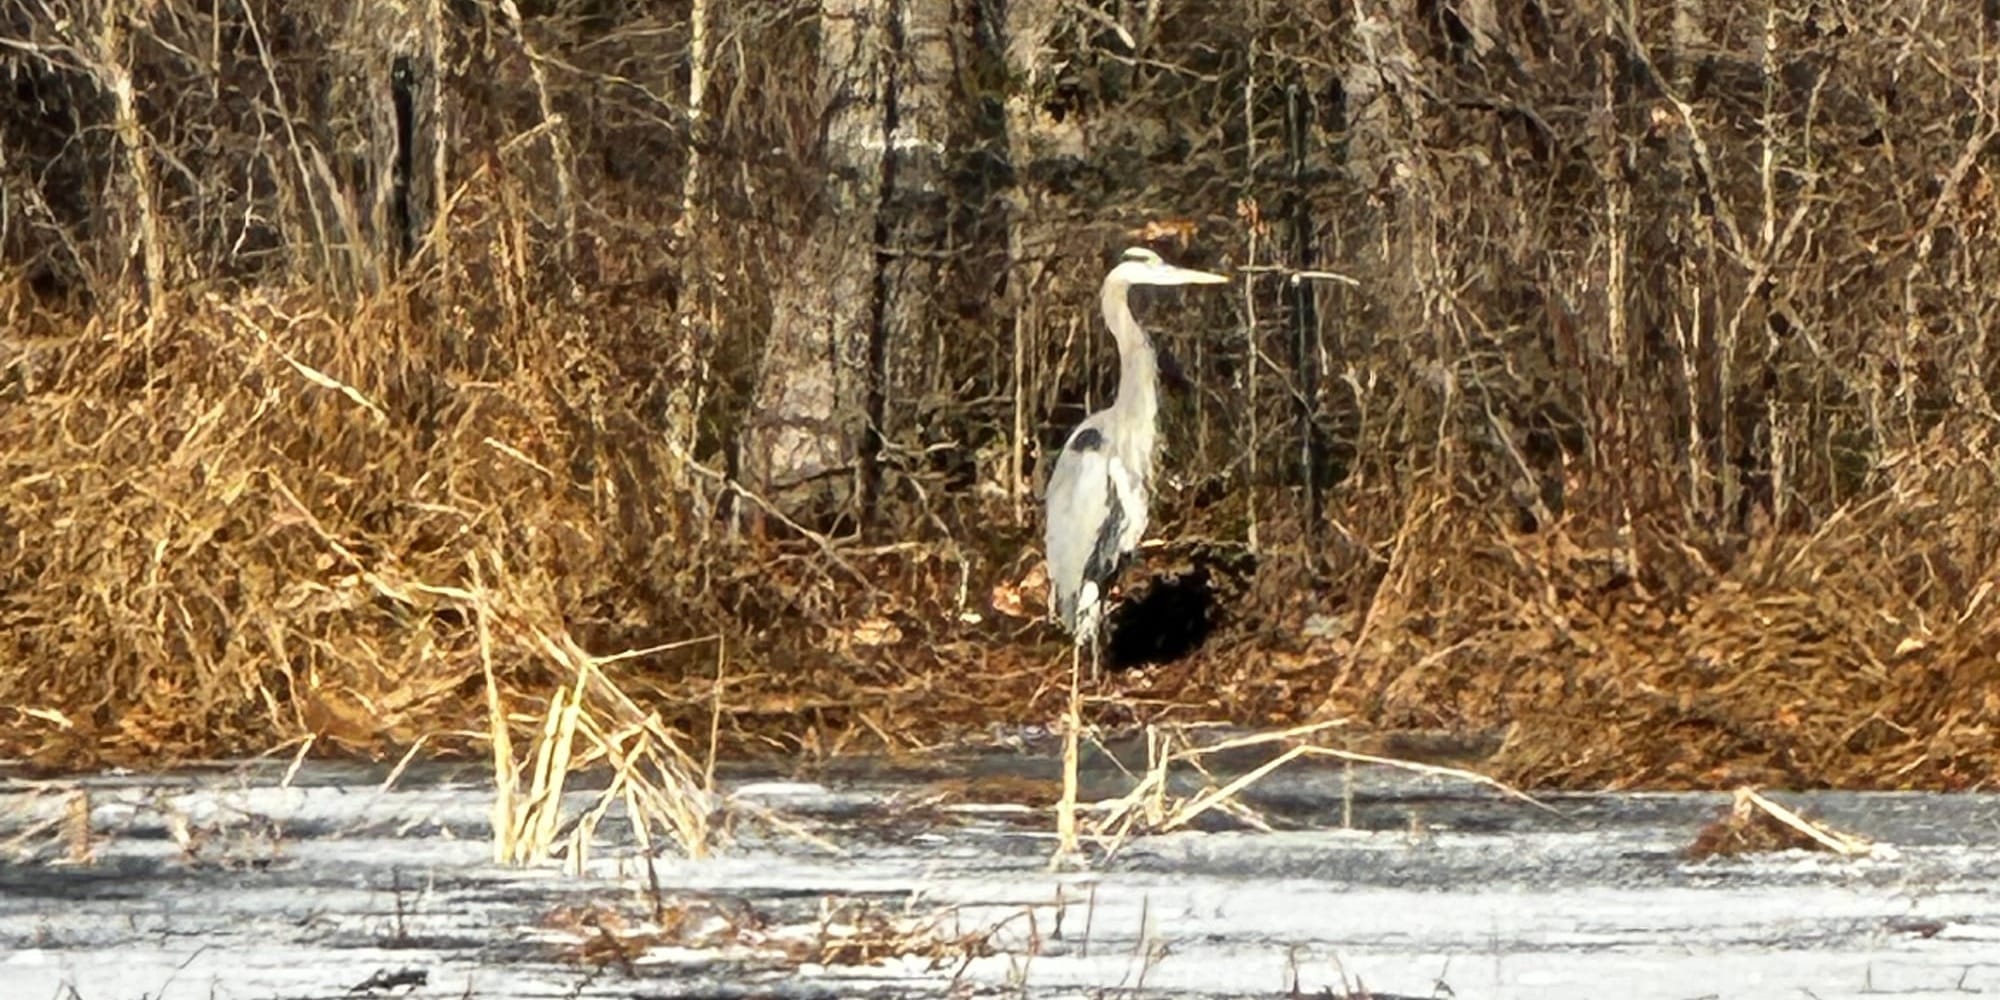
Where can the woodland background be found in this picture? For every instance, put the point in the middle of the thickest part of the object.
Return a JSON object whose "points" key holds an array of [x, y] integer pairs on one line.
{"points": [[371, 371]]}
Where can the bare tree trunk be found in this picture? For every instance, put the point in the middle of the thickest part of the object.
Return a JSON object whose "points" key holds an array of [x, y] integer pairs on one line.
{"points": [[1031, 136], [1603, 351], [1305, 319], [913, 223], [560, 144], [436, 229], [382, 208], [114, 75], [1711, 486], [848, 365], [803, 441], [688, 372], [1384, 149]]}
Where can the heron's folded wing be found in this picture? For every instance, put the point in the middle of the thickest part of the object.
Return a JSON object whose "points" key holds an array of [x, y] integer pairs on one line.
{"points": [[1086, 523]]}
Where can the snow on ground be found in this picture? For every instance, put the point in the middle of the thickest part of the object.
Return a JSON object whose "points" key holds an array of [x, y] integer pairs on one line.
{"points": [[335, 887]]}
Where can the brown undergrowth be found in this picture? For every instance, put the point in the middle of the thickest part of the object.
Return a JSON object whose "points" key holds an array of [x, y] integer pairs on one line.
{"points": [[219, 541], [236, 527], [1861, 652]]}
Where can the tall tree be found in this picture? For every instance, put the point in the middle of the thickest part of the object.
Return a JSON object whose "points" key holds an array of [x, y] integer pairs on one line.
{"points": [[914, 223], [803, 442], [845, 345]]}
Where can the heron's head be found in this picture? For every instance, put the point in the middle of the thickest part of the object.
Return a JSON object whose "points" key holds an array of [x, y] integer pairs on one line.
{"points": [[1140, 266]]}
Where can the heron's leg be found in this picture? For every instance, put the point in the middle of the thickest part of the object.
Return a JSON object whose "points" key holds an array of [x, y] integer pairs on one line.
{"points": [[1072, 725]]}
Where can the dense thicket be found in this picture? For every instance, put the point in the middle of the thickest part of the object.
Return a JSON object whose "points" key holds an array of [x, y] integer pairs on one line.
{"points": [[1622, 375]]}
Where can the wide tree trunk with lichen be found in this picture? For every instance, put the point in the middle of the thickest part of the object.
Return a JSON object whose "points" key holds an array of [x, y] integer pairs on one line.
{"points": [[802, 447], [845, 363], [914, 218]]}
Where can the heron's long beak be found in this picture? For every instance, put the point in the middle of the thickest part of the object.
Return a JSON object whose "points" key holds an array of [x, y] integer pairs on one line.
{"points": [[1190, 276]]}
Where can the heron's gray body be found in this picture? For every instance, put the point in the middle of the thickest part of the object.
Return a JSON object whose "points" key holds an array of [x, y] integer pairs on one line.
{"points": [[1102, 483], [1100, 491]]}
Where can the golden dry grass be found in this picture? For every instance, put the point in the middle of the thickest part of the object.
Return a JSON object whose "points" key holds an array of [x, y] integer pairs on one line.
{"points": [[1753, 824], [246, 522]]}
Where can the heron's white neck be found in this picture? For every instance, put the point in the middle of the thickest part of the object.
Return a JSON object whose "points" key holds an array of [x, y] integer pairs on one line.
{"points": [[1138, 368]]}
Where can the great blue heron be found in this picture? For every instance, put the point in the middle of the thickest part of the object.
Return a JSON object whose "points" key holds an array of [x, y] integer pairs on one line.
{"points": [[1099, 492]]}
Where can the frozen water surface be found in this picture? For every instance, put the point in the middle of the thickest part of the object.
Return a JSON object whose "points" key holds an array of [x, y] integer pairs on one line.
{"points": [[333, 888]]}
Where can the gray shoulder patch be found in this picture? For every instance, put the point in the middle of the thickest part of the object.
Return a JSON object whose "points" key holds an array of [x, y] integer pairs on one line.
{"points": [[1087, 439]]}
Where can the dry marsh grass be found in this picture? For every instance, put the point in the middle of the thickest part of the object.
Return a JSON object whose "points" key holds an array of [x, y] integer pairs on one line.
{"points": [[844, 932], [232, 543], [1753, 823]]}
